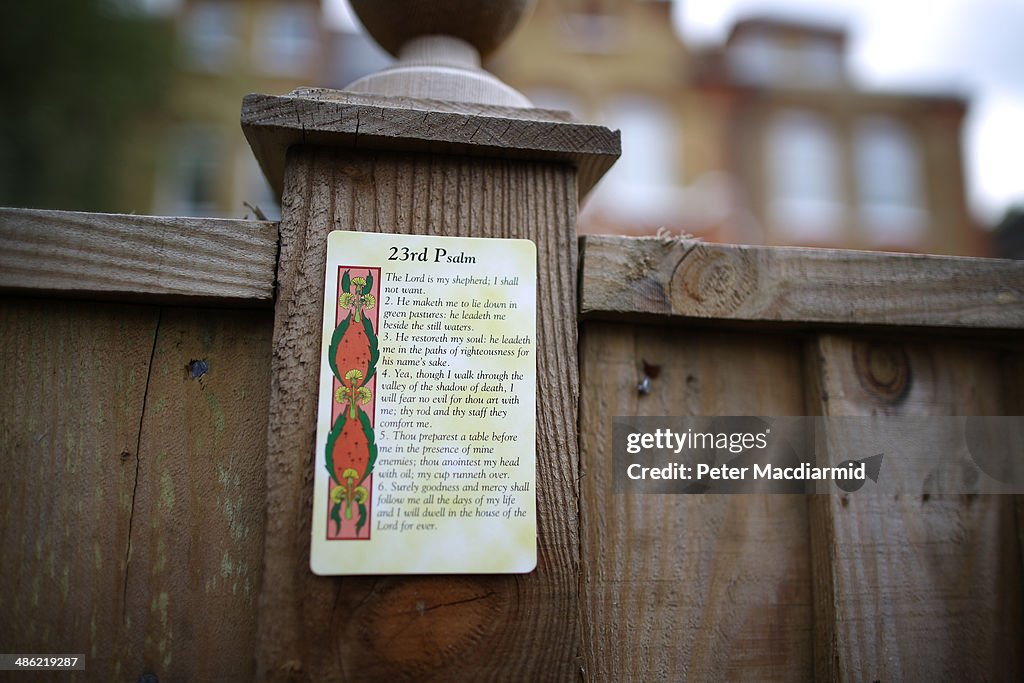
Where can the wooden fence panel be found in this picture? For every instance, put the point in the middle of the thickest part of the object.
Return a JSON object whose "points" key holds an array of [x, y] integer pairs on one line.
{"points": [[903, 587], [132, 486], [678, 587], [195, 564], [913, 587], [133, 476], [1013, 401], [74, 378]]}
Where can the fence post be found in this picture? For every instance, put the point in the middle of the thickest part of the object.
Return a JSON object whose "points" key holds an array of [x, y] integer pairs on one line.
{"points": [[386, 163]]}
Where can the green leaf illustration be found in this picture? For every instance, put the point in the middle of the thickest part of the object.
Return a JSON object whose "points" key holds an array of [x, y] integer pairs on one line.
{"points": [[371, 336], [368, 287], [361, 522], [371, 445], [346, 282], [336, 516], [332, 436]]}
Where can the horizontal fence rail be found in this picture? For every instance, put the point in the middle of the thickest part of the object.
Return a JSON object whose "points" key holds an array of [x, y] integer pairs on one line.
{"points": [[117, 256], [659, 278]]}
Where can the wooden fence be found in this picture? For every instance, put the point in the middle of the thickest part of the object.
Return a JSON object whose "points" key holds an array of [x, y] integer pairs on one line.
{"points": [[136, 361], [792, 587]]}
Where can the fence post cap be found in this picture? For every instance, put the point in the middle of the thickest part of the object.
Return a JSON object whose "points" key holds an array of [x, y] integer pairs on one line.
{"points": [[337, 118]]}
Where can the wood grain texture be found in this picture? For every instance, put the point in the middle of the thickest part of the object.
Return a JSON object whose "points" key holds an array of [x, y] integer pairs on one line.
{"points": [[680, 278], [912, 587], [131, 494], [150, 258], [501, 627], [75, 381], [689, 587], [1012, 364], [194, 566], [313, 116]]}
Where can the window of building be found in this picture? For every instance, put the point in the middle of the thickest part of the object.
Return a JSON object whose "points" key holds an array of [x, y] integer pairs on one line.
{"points": [[889, 198], [287, 40], [643, 184], [757, 58], [592, 26], [212, 35], [190, 183], [761, 58], [821, 61], [804, 180], [593, 33]]}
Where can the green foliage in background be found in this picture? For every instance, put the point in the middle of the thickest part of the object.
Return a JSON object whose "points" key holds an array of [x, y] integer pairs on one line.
{"points": [[1008, 237], [75, 75]]}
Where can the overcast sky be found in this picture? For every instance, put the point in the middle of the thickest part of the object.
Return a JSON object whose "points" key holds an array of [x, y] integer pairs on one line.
{"points": [[973, 48]]}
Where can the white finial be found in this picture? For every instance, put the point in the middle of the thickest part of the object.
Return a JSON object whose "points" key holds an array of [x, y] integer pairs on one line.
{"points": [[439, 44]]}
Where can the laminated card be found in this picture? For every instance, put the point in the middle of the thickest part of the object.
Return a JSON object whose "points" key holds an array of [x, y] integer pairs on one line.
{"points": [[426, 421]]}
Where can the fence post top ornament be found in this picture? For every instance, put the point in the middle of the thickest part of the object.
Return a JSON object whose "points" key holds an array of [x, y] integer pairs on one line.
{"points": [[434, 99], [439, 44]]}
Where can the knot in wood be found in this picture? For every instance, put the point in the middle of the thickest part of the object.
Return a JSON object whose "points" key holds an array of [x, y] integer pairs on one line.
{"points": [[883, 370], [417, 627], [711, 282]]}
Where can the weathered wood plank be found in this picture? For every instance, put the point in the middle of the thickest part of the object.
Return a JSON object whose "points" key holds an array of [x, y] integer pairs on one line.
{"points": [[313, 116], [478, 627], [689, 587], [681, 278], [131, 494], [1012, 364], [75, 381], [912, 587], [194, 567], [191, 260]]}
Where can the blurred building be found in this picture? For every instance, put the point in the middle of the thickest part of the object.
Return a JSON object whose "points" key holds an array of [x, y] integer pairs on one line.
{"points": [[230, 48], [763, 140], [198, 162]]}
